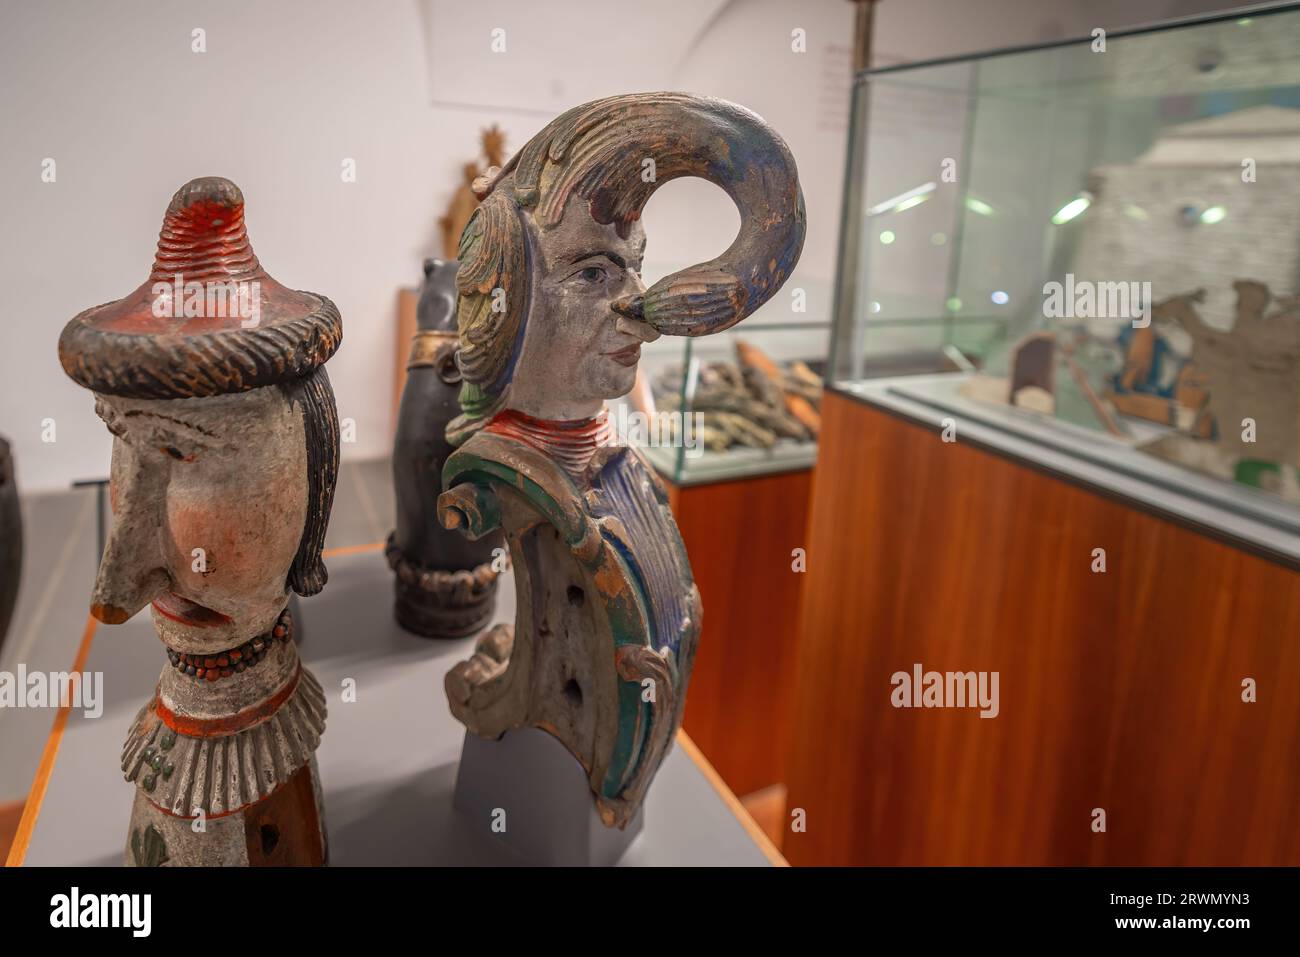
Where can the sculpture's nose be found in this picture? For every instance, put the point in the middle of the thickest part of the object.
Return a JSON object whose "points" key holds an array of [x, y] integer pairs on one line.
{"points": [[109, 614], [632, 327], [132, 570], [631, 311]]}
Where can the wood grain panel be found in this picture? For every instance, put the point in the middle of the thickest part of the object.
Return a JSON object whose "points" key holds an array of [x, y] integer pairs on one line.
{"points": [[739, 536], [1120, 691], [11, 813]]}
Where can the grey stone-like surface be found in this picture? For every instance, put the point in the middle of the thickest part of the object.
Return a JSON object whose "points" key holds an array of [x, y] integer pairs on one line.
{"points": [[388, 760], [59, 561], [536, 799], [364, 509]]}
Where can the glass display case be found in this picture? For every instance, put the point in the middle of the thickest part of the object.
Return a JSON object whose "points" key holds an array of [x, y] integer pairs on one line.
{"points": [[1087, 254], [738, 404]]}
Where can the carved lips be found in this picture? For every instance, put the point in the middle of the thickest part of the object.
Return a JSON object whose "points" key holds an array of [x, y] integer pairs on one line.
{"points": [[187, 612], [628, 356]]}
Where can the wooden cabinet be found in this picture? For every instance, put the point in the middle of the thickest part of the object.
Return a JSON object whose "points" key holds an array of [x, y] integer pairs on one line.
{"points": [[739, 535], [1120, 691]]}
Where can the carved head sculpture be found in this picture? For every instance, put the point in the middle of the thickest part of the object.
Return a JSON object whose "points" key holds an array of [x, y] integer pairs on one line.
{"points": [[552, 314], [211, 377], [552, 310]]}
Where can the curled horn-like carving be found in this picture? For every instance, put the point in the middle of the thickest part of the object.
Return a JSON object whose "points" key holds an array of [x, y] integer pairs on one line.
{"points": [[616, 152]]}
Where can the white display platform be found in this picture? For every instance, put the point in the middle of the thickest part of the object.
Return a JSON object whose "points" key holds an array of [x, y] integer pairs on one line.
{"points": [[388, 761], [735, 463]]}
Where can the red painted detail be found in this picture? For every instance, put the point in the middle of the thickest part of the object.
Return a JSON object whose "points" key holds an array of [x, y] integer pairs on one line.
{"points": [[231, 724], [173, 606]]}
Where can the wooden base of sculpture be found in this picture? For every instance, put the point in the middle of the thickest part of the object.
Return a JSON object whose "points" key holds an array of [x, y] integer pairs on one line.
{"points": [[441, 603], [528, 792], [285, 830], [236, 750]]}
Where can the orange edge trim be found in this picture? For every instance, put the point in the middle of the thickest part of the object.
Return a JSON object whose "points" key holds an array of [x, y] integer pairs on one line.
{"points": [[351, 549], [756, 834], [27, 823]]}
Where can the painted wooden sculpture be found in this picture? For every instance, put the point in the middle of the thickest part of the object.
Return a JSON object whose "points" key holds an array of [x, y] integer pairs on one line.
{"points": [[552, 315], [445, 584], [211, 378]]}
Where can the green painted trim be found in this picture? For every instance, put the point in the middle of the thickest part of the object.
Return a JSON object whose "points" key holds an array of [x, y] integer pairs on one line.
{"points": [[628, 613]]}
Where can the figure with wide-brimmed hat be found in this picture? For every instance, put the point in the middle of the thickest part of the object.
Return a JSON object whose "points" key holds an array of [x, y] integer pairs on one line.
{"points": [[211, 377]]}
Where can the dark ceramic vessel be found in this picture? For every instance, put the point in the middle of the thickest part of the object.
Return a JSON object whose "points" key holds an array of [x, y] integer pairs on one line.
{"points": [[446, 584]]}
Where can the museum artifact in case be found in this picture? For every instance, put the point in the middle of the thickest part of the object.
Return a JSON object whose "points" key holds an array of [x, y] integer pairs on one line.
{"points": [[1087, 252], [601, 651], [746, 401], [445, 584], [211, 378]]}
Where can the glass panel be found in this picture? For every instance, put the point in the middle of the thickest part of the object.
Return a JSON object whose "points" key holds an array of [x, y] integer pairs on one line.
{"points": [[738, 423], [1102, 234]]}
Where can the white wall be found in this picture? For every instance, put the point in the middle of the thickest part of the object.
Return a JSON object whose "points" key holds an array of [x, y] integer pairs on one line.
{"points": [[288, 89], [285, 92]]}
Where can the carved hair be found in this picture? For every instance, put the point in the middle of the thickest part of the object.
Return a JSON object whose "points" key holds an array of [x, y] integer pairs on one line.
{"points": [[614, 153], [493, 283], [160, 367], [315, 395]]}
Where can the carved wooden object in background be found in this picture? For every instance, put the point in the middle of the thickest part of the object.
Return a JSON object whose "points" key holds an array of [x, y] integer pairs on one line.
{"points": [[752, 402], [211, 377], [1033, 370], [552, 315], [466, 198], [445, 584]]}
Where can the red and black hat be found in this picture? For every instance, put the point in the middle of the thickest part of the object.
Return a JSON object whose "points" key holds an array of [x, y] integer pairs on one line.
{"points": [[149, 345]]}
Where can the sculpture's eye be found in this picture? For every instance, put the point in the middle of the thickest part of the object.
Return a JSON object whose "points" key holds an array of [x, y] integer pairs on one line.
{"points": [[174, 452], [592, 274]]}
